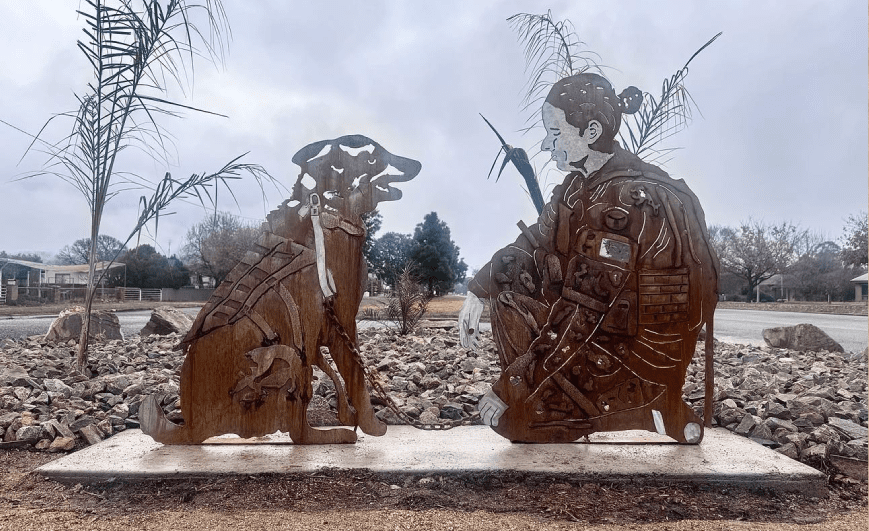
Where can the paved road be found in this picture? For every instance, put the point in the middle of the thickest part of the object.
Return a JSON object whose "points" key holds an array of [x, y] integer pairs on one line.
{"points": [[31, 325], [733, 326], [745, 326]]}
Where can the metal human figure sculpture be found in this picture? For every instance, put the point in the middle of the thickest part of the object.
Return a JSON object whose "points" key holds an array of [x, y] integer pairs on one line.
{"points": [[596, 308], [253, 346]]}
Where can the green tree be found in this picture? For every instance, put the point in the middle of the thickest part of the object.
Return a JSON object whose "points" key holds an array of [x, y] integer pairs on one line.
{"points": [[217, 243], [373, 221], [389, 256], [146, 268], [108, 248], [437, 256], [855, 250]]}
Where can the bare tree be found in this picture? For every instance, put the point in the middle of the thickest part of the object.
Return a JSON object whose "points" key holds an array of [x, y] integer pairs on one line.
{"points": [[819, 275], [756, 251], [854, 248], [79, 252], [138, 50], [217, 243]]}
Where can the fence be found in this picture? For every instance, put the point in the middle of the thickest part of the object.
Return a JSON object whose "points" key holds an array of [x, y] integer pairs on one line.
{"points": [[49, 294], [61, 294], [136, 294], [186, 295]]}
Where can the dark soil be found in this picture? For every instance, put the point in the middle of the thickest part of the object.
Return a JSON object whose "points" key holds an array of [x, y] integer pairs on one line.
{"points": [[547, 497]]}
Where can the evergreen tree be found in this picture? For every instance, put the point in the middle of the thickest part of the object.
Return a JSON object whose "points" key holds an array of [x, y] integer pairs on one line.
{"points": [[437, 256], [146, 268], [389, 255], [373, 221]]}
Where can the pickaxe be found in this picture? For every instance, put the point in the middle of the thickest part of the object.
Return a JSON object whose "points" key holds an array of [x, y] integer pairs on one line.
{"points": [[520, 160]]}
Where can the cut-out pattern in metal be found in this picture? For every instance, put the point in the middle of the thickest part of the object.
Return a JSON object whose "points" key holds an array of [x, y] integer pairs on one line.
{"points": [[596, 308], [253, 346]]}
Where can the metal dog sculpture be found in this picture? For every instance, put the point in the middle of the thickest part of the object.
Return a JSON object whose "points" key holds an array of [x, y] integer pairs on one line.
{"points": [[253, 346]]}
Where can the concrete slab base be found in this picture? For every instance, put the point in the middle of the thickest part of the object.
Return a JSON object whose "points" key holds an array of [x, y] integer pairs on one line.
{"points": [[634, 456]]}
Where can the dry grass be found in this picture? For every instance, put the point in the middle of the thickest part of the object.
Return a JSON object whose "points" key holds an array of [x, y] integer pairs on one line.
{"points": [[451, 304], [439, 308]]}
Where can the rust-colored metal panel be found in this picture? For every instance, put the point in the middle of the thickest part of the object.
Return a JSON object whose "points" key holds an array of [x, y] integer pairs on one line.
{"points": [[253, 346], [606, 346]]}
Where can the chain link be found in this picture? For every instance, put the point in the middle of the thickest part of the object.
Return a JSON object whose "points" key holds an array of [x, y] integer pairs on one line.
{"points": [[375, 384]]}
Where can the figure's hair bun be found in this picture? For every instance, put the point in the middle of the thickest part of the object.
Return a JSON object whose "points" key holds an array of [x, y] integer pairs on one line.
{"points": [[632, 99]]}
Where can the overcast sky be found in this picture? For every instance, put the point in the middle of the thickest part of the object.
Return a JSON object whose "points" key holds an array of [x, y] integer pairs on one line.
{"points": [[783, 97]]}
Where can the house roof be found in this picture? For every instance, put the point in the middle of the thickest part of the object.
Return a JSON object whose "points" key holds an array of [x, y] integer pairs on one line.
{"points": [[778, 280], [80, 268], [864, 278]]}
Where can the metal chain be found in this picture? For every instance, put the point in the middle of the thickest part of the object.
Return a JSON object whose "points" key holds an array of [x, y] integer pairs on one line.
{"points": [[375, 383]]}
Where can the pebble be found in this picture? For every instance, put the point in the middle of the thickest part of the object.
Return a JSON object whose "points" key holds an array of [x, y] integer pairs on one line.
{"points": [[810, 404], [806, 405]]}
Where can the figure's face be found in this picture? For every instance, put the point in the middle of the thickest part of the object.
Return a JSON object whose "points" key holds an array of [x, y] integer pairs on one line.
{"points": [[564, 141]]}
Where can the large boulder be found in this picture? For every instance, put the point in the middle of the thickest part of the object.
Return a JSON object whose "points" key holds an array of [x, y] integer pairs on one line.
{"points": [[104, 326], [166, 320], [802, 337]]}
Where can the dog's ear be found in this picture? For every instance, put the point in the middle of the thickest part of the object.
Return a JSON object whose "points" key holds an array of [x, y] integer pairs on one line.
{"points": [[316, 162], [310, 151]]}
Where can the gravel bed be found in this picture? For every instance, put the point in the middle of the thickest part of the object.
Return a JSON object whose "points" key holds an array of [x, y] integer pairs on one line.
{"points": [[810, 406]]}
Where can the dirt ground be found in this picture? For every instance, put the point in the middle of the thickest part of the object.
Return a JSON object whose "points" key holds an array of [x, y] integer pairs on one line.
{"points": [[366, 501], [361, 500]]}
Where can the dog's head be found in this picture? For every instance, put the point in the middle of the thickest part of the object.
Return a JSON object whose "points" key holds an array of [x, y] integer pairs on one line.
{"points": [[351, 174]]}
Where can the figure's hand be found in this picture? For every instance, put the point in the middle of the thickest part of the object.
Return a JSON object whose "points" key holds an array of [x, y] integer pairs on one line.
{"points": [[469, 321], [491, 408]]}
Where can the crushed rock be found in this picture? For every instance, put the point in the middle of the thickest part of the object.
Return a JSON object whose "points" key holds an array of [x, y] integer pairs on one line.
{"points": [[807, 405]]}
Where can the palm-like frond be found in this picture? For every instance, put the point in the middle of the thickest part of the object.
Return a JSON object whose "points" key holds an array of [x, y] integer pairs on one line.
{"points": [[659, 119], [552, 51], [169, 190], [137, 50]]}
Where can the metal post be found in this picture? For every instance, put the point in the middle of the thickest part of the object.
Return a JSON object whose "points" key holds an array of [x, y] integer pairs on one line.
{"points": [[709, 377]]}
